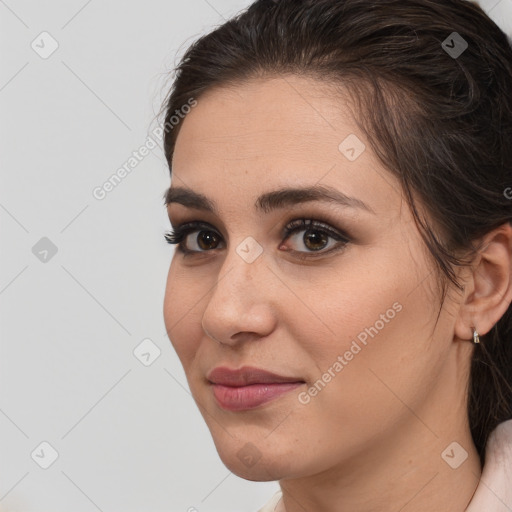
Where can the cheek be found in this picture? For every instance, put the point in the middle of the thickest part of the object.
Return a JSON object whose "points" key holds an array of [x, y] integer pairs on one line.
{"points": [[357, 299], [368, 339], [375, 296], [181, 311]]}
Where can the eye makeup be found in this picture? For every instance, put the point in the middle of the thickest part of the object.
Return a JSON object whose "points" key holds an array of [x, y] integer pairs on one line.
{"points": [[314, 231]]}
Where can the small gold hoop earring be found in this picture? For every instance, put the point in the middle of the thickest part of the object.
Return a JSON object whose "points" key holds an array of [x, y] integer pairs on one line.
{"points": [[476, 337]]}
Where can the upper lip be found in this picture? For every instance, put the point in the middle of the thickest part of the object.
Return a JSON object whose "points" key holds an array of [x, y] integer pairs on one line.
{"points": [[245, 376]]}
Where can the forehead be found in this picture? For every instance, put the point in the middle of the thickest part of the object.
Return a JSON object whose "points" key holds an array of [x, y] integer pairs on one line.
{"points": [[280, 114], [275, 132]]}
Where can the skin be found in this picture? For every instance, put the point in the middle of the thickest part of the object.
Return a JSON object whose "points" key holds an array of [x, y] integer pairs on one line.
{"points": [[372, 438]]}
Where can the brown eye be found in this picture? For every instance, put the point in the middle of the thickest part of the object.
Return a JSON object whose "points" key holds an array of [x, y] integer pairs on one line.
{"points": [[312, 240], [193, 237], [315, 240], [206, 239], [311, 236]]}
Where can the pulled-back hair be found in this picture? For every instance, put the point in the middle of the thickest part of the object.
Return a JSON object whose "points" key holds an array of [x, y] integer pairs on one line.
{"points": [[438, 121]]}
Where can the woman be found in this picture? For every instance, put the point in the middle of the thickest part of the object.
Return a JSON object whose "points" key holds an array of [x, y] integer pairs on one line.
{"points": [[340, 293]]}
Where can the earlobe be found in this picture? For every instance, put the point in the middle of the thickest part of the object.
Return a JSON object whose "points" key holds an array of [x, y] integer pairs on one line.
{"points": [[488, 289]]}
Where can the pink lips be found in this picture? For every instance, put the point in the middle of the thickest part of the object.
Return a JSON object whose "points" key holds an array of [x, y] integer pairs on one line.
{"points": [[248, 387]]}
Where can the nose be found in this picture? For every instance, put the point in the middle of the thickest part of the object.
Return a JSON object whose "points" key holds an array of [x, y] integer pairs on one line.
{"points": [[241, 304]]}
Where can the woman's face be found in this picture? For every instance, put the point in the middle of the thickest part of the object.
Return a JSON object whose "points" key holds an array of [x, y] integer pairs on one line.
{"points": [[346, 311]]}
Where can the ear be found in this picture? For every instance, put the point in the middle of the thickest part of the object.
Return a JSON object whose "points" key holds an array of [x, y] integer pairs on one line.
{"points": [[488, 284]]}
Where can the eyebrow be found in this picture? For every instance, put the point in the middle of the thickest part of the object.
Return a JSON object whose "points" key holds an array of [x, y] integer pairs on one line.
{"points": [[269, 200]]}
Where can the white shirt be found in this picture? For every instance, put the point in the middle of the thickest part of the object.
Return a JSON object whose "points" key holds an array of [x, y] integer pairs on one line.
{"points": [[494, 492]]}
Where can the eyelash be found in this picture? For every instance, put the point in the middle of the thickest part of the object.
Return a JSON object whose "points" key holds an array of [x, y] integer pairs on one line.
{"points": [[180, 233]]}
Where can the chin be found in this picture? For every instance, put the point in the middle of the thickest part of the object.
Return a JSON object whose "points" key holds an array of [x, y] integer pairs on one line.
{"points": [[261, 471], [253, 474], [263, 464]]}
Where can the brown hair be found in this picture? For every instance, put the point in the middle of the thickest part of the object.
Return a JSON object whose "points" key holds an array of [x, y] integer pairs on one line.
{"points": [[441, 123]]}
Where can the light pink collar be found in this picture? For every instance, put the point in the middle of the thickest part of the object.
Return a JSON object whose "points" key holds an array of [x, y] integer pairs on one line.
{"points": [[494, 492]]}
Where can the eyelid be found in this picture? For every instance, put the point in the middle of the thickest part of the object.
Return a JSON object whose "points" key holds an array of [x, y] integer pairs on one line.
{"points": [[199, 224], [304, 223], [293, 225], [331, 218]]}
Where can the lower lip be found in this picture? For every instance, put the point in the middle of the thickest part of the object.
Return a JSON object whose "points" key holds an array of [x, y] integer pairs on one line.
{"points": [[244, 398]]}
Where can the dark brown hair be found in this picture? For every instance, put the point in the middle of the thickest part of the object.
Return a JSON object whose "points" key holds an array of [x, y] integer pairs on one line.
{"points": [[441, 123]]}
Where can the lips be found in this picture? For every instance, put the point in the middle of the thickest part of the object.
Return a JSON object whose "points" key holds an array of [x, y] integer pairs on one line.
{"points": [[248, 387], [246, 376]]}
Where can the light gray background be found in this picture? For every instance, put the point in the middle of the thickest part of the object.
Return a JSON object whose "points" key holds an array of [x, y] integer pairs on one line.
{"points": [[129, 437]]}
